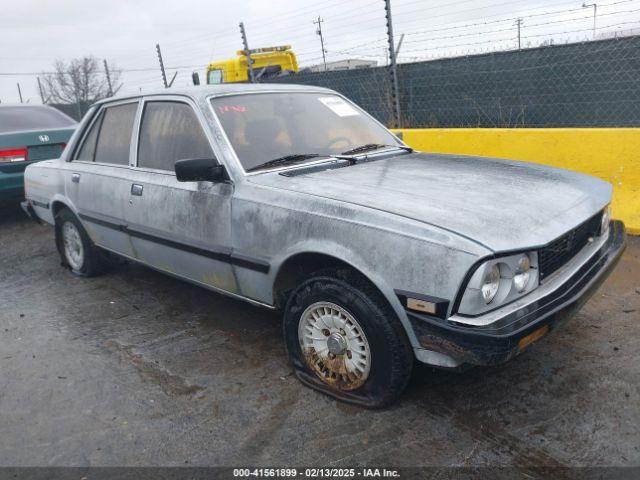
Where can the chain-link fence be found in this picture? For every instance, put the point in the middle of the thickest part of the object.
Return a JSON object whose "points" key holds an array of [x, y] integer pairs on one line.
{"points": [[588, 84]]}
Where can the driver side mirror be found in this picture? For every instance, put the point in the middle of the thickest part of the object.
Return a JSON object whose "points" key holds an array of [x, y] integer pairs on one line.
{"points": [[200, 170]]}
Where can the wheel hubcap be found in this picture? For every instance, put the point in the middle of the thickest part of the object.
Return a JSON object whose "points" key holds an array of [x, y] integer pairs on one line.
{"points": [[73, 249], [337, 344], [334, 345]]}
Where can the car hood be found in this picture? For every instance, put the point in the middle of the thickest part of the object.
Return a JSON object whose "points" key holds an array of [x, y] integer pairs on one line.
{"points": [[500, 204]]}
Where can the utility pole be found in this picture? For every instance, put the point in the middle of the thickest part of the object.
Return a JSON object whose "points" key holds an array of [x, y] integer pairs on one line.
{"points": [[247, 53], [395, 93], [595, 13], [319, 32], [164, 75], [19, 92], [519, 24], [41, 92], [106, 72]]}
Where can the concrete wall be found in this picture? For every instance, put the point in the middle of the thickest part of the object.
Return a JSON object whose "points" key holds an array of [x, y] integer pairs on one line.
{"points": [[612, 154]]}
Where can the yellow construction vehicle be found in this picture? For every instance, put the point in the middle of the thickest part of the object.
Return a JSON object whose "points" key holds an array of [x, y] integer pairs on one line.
{"points": [[267, 62]]}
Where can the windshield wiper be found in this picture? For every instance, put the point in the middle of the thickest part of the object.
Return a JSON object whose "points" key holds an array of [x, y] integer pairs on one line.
{"points": [[374, 146], [296, 157]]}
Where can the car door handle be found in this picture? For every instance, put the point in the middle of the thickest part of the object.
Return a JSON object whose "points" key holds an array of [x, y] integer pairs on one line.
{"points": [[136, 189], [75, 177]]}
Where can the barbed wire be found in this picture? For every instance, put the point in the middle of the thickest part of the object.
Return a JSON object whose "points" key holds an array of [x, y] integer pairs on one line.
{"points": [[453, 25]]}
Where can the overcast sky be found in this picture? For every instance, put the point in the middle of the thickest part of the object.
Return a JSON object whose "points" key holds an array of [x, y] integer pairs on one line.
{"points": [[195, 32]]}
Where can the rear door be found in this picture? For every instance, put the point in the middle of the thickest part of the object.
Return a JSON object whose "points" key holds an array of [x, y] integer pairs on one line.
{"points": [[97, 179], [182, 228]]}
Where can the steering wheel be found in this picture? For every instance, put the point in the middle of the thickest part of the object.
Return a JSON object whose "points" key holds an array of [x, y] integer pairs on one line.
{"points": [[336, 140]]}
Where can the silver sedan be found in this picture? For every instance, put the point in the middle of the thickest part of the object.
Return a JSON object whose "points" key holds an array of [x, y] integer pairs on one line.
{"points": [[294, 198]]}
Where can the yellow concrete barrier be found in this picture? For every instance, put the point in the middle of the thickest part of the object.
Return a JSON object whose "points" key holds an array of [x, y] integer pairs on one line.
{"points": [[612, 154]]}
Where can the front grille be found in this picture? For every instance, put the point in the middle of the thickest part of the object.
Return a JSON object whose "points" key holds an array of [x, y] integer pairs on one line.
{"points": [[563, 249]]}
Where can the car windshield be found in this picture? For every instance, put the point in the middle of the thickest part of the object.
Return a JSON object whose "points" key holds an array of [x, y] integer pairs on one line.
{"points": [[267, 126], [17, 118]]}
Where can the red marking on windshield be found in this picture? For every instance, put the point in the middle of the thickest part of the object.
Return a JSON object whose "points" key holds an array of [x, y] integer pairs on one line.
{"points": [[232, 108]]}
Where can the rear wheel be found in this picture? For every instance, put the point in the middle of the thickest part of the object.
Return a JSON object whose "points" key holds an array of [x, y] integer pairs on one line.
{"points": [[77, 251], [345, 340]]}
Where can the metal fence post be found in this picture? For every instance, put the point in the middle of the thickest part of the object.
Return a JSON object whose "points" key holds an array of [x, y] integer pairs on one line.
{"points": [[395, 91], [41, 92], [164, 75], [108, 75], [247, 53]]}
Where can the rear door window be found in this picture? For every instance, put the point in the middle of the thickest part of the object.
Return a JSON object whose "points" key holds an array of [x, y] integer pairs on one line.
{"points": [[114, 139], [170, 131]]}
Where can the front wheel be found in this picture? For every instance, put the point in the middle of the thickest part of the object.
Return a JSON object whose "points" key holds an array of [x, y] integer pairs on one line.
{"points": [[345, 340]]}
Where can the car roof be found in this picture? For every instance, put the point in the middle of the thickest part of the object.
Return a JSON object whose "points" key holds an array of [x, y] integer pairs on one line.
{"points": [[27, 106], [203, 91]]}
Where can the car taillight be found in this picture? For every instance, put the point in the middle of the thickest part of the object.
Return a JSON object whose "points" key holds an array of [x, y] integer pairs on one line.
{"points": [[13, 155]]}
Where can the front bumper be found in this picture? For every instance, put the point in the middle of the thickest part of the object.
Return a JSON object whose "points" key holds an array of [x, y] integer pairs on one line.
{"points": [[501, 340]]}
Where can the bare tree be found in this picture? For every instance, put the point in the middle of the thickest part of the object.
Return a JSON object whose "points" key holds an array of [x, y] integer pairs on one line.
{"points": [[81, 81]]}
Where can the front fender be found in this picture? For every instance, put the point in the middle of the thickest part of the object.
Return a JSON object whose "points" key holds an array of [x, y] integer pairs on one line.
{"points": [[352, 258], [389, 252]]}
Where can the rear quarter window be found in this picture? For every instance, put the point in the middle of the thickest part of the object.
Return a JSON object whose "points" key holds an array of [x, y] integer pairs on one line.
{"points": [[88, 149]]}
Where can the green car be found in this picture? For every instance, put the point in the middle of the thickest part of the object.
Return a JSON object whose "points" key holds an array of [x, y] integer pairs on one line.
{"points": [[28, 134]]}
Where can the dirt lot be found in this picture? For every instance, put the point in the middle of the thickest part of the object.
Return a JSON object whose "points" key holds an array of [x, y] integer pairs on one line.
{"points": [[136, 368]]}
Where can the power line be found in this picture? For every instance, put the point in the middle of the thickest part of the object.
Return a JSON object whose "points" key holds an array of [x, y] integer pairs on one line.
{"points": [[124, 70]]}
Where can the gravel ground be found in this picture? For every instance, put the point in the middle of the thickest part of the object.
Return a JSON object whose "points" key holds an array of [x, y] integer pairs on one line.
{"points": [[135, 368]]}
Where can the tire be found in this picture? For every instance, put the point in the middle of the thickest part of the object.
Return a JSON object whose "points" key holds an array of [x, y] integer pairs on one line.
{"points": [[77, 251], [343, 304]]}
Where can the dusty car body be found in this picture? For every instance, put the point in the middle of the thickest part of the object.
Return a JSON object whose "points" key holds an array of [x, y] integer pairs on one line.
{"points": [[377, 255]]}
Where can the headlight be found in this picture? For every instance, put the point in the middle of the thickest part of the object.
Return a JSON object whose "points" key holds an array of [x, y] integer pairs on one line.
{"points": [[606, 218], [491, 283], [499, 281], [522, 274]]}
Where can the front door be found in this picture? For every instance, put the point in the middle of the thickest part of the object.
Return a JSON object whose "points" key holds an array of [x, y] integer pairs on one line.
{"points": [[182, 228]]}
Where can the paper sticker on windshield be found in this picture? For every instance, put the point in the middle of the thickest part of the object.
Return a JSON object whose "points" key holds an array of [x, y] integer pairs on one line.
{"points": [[339, 106]]}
